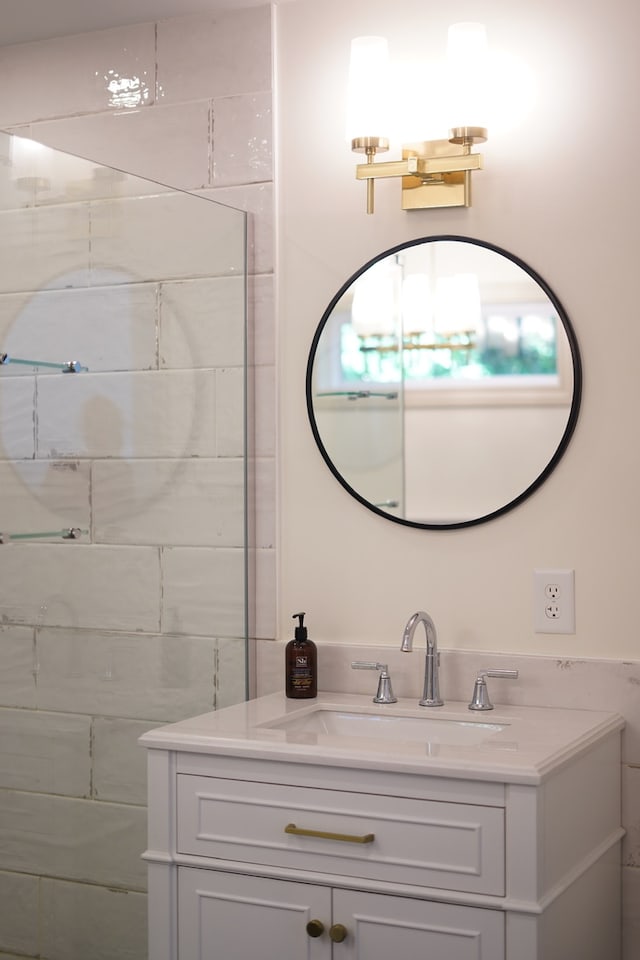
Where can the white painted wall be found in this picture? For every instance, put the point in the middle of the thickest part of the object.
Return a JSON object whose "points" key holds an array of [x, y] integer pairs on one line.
{"points": [[550, 194]]}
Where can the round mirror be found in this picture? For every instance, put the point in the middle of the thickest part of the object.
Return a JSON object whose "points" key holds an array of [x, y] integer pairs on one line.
{"points": [[443, 382]]}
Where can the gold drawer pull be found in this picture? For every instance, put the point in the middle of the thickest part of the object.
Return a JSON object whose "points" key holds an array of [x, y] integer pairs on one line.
{"points": [[346, 837]]}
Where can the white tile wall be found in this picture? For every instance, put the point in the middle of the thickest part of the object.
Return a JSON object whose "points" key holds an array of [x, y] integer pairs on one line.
{"points": [[82, 921], [135, 676], [80, 585], [223, 55], [19, 895], [62, 325], [17, 667], [257, 200], [199, 323], [79, 839], [71, 75], [229, 422], [44, 495], [44, 248], [631, 913], [169, 144], [144, 237], [203, 592], [123, 630], [45, 752], [261, 309], [191, 502], [242, 139], [119, 763], [142, 414], [17, 427]]}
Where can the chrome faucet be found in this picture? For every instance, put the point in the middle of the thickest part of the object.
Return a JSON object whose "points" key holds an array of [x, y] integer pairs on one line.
{"points": [[431, 694]]}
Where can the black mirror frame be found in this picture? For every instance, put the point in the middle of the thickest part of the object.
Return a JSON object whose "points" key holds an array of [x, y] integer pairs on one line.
{"points": [[573, 412]]}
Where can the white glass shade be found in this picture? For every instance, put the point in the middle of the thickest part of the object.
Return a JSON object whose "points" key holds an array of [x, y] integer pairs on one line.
{"points": [[457, 304], [368, 91], [417, 306], [374, 308], [467, 74]]}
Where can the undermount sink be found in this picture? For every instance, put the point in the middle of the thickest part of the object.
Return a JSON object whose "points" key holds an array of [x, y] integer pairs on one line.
{"points": [[518, 744], [376, 726]]}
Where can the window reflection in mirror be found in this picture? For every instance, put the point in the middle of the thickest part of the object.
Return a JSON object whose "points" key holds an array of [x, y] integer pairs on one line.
{"points": [[448, 317]]}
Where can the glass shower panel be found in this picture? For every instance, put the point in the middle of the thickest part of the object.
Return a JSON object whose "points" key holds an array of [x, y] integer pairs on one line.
{"points": [[123, 561]]}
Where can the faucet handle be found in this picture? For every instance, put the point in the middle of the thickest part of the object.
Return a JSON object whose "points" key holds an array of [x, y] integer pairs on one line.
{"points": [[384, 693], [480, 699]]}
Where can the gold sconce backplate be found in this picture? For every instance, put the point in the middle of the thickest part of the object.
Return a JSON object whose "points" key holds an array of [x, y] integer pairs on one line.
{"points": [[435, 189]]}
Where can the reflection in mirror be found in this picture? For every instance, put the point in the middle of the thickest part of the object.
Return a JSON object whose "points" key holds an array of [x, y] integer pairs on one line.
{"points": [[443, 383]]}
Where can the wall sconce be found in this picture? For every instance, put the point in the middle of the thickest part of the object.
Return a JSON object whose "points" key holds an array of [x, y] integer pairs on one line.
{"points": [[435, 173]]}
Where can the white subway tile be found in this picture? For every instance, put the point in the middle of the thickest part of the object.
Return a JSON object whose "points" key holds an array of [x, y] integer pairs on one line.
{"points": [[202, 323], [18, 913], [242, 139], [261, 320], [17, 667], [230, 412], [257, 200], [87, 922], [265, 594], [119, 763], [203, 591], [168, 144], [17, 429], [152, 414], [160, 678], [77, 74], [78, 839], [270, 667], [104, 328], [231, 671], [214, 56], [45, 752], [43, 495], [263, 474], [630, 913], [194, 502], [265, 411], [44, 248], [631, 815], [77, 585], [169, 236]]}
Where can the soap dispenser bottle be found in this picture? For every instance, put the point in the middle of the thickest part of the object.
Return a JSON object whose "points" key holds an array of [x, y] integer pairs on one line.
{"points": [[301, 662]]}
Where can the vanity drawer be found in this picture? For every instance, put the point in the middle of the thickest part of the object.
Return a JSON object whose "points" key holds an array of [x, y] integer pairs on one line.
{"points": [[454, 846]]}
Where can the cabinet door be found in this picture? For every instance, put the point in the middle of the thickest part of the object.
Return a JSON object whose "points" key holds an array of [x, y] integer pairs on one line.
{"points": [[380, 927], [224, 916]]}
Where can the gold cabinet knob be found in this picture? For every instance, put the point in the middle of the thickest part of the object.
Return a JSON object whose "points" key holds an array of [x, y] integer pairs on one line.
{"points": [[338, 932], [315, 928]]}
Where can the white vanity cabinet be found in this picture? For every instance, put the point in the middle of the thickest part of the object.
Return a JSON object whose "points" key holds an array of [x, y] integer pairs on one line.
{"points": [[267, 846]]}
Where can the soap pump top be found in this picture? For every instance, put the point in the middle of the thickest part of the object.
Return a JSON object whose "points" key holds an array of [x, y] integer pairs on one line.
{"points": [[301, 676], [300, 632]]}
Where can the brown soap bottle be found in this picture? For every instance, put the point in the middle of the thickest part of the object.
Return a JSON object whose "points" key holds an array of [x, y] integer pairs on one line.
{"points": [[301, 662]]}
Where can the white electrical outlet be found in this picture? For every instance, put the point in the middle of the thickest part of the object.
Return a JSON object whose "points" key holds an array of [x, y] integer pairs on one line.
{"points": [[554, 609]]}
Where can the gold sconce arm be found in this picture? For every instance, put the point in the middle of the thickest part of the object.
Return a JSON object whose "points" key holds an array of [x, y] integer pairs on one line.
{"points": [[422, 167], [435, 173]]}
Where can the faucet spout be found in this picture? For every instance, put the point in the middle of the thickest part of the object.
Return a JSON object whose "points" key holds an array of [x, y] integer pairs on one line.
{"points": [[431, 693]]}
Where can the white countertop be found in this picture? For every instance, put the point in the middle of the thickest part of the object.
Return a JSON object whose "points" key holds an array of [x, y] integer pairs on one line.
{"points": [[531, 742]]}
